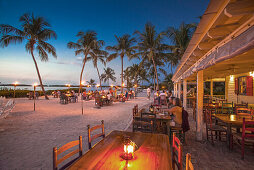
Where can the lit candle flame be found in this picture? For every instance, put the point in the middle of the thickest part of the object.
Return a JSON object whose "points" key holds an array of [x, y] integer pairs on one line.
{"points": [[128, 148]]}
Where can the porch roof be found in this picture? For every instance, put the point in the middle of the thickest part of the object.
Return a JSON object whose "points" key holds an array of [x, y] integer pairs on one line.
{"points": [[222, 42]]}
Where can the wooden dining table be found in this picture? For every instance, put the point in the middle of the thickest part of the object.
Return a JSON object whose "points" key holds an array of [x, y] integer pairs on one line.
{"points": [[231, 120], [153, 152]]}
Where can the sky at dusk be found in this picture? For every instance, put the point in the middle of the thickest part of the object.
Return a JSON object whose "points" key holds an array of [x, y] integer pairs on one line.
{"points": [[67, 17]]}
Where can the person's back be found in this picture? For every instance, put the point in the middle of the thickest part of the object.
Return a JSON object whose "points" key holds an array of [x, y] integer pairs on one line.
{"points": [[176, 110]]}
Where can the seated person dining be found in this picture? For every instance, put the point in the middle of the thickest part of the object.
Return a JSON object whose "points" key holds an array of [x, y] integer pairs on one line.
{"points": [[176, 110]]}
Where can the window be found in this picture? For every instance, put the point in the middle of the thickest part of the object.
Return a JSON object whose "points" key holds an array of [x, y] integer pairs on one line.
{"points": [[242, 85]]}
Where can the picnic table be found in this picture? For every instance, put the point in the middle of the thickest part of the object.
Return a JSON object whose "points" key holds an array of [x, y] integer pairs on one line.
{"points": [[230, 121], [153, 153]]}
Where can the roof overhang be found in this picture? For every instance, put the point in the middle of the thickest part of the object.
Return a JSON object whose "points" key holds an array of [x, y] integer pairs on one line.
{"points": [[225, 30]]}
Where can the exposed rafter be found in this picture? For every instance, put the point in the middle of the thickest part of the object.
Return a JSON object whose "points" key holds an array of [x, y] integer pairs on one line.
{"points": [[242, 7]]}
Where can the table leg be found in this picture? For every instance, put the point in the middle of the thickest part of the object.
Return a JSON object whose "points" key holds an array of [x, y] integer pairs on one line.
{"points": [[228, 134]]}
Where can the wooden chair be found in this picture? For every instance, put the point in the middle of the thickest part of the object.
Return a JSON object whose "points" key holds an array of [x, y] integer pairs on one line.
{"points": [[148, 122], [189, 165], [244, 111], [227, 108], [145, 123], [157, 108], [90, 137], [62, 149], [212, 127], [177, 153], [240, 106], [246, 137], [194, 109]]}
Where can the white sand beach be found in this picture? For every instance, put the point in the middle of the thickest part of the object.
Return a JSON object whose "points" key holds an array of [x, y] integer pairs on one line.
{"points": [[27, 137]]}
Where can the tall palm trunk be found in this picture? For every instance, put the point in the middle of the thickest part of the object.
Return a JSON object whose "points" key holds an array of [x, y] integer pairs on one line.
{"points": [[154, 84], [81, 74], [122, 72], [39, 76], [99, 76], [156, 75]]}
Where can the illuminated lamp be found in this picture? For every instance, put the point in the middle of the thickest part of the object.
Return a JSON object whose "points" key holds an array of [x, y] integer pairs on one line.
{"points": [[129, 148]]}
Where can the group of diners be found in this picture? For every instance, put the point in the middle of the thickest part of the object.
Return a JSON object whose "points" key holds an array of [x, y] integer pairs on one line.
{"points": [[101, 97], [66, 97], [168, 119], [32, 95]]}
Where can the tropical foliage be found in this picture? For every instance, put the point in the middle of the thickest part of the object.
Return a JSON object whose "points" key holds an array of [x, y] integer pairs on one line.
{"points": [[87, 44], [150, 47], [91, 82], [124, 47], [98, 55], [36, 32], [109, 74], [180, 37], [152, 54]]}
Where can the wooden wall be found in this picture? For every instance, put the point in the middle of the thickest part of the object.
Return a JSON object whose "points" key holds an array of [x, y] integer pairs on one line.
{"points": [[230, 90]]}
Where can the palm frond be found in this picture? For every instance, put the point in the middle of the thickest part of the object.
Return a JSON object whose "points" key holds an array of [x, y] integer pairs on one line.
{"points": [[48, 48], [7, 39], [112, 56], [42, 53], [73, 45]]}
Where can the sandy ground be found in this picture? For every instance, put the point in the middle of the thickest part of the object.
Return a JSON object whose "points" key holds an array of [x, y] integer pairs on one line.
{"points": [[27, 137]]}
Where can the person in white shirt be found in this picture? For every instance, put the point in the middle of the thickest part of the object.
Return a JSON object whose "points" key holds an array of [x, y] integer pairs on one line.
{"points": [[148, 93]]}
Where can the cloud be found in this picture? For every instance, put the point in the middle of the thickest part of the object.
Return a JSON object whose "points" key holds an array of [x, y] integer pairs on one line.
{"points": [[68, 62], [79, 58]]}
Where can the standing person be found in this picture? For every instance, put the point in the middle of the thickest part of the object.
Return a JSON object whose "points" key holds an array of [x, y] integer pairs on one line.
{"points": [[148, 93]]}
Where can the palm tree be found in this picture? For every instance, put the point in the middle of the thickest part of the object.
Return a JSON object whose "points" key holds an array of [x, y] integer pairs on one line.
{"points": [[35, 31], [150, 46], [91, 82], [109, 74], [98, 55], [123, 47], [85, 45], [168, 81], [180, 38]]}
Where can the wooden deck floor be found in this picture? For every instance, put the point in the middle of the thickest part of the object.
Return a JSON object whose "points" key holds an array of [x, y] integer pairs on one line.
{"points": [[206, 156]]}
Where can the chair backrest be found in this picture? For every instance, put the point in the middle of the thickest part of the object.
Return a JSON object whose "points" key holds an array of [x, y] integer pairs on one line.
{"points": [[148, 115], [244, 111], [157, 108], [62, 149], [208, 118], [90, 137], [245, 105], [177, 153], [228, 106], [246, 127], [189, 165], [135, 111]]}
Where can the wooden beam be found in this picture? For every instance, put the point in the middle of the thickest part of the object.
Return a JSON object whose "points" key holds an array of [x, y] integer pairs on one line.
{"points": [[243, 7], [199, 53], [179, 89], [206, 45], [199, 113], [185, 94]]}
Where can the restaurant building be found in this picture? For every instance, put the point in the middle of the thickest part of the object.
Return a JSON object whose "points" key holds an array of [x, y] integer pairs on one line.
{"points": [[222, 48]]}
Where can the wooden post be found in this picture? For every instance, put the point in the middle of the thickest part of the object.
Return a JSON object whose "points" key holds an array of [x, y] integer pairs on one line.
{"points": [[179, 90], [211, 88], [54, 158], [174, 94], [185, 94], [200, 94]]}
